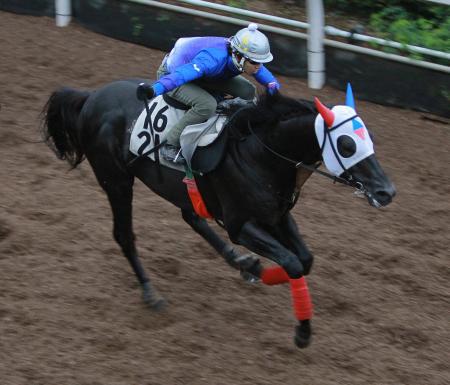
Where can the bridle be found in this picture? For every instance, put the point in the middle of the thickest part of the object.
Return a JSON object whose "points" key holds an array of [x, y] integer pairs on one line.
{"points": [[349, 180]]}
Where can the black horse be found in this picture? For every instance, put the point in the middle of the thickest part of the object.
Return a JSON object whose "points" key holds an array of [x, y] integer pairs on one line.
{"points": [[271, 149]]}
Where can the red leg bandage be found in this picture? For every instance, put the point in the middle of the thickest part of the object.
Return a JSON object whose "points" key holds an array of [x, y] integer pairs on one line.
{"points": [[301, 299], [274, 275]]}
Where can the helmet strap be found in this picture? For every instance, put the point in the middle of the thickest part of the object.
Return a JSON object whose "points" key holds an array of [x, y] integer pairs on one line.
{"points": [[238, 63]]}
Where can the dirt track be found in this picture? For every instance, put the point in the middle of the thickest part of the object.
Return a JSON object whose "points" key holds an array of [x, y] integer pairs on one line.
{"points": [[70, 309]]}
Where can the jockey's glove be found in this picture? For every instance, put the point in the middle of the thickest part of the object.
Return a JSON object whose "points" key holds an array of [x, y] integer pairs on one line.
{"points": [[273, 87], [145, 91]]}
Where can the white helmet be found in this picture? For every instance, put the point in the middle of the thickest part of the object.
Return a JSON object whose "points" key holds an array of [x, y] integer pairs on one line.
{"points": [[251, 44]]}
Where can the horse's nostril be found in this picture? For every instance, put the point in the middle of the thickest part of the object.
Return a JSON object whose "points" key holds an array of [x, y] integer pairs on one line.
{"points": [[384, 197]]}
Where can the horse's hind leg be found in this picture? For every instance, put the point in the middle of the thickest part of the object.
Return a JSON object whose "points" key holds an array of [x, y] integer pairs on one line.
{"points": [[247, 264], [119, 189]]}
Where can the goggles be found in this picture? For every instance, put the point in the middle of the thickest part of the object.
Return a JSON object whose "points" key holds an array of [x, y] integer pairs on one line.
{"points": [[252, 62]]}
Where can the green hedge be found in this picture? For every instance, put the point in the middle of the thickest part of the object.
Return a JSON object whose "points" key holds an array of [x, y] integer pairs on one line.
{"points": [[418, 23], [398, 24]]}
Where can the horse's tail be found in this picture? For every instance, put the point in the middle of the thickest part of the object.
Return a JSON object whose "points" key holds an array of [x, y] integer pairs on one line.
{"points": [[61, 125]]}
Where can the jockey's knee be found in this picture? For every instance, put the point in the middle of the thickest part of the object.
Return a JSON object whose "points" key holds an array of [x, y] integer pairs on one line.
{"points": [[248, 91], [206, 109]]}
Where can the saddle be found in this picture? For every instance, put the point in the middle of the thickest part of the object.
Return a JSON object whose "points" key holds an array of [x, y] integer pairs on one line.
{"points": [[203, 145]]}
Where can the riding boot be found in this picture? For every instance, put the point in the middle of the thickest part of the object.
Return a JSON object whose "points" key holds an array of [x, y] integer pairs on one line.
{"points": [[172, 153]]}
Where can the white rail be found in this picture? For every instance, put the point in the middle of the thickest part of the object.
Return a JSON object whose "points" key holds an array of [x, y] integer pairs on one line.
{"points": [[445, 2], [295, 34], [63, 12], [329, 30], [244, 12], [316, 52], [387, 43]]}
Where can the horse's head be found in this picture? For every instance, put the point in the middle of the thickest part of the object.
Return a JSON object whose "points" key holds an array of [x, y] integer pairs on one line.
{"points": [[347, 151]]}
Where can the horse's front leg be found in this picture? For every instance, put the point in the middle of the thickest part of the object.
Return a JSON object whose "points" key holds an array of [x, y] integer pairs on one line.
{"points": [[267, 244], [287, 232], [248, 264], [260, 241], [291, 237]]}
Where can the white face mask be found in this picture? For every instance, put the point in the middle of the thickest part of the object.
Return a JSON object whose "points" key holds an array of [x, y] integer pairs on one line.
{"points": [[346, 143]]}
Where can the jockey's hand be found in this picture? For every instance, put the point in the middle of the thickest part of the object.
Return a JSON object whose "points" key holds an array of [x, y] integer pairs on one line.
{"points": [[145, 91], [273, 87]]}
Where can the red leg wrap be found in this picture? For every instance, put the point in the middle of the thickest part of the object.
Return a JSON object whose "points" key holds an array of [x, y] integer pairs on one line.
{"points": [[274, 276], [301, 299]]}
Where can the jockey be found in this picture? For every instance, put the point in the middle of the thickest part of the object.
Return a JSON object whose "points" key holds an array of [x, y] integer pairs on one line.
{"points": [[197, 65]]}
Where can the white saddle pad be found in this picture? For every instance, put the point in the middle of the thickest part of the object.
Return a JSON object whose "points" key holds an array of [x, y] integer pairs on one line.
{"points": [[163, 117]]}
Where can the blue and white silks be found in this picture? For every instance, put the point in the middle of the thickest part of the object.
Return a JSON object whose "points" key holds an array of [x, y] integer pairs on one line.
{"points": [[202, 57]]}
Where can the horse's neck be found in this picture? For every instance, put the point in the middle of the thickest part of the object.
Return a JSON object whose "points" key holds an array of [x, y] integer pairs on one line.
{"points": [[289, 142], [295, 138]]}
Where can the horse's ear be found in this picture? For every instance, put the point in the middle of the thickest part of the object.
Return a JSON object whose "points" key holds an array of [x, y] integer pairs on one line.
{"points": [[349, 99], [326, 113]]}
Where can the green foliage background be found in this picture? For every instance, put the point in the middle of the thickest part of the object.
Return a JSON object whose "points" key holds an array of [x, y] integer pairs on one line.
{"points": [[420, 23]]}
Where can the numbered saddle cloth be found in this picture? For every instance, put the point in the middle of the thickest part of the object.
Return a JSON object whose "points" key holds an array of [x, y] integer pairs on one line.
{"points": [[163, 117]]}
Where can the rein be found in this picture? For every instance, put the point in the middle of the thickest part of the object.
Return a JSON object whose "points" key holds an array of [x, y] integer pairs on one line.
{"points": [[348, 182]]}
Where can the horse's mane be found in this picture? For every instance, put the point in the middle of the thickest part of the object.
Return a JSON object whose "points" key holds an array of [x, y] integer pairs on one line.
{"points": [[268, 112]]}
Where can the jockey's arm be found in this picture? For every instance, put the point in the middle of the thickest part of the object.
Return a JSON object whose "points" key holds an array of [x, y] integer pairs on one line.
{"points": [[202, 64], [266, 78]]}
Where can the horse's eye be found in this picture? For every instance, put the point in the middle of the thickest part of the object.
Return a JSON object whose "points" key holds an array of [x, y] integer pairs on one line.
{"points": [[346, 146]]}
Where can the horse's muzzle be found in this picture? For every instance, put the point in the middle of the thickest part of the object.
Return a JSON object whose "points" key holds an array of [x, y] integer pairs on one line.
{"points": [[382, 196]]}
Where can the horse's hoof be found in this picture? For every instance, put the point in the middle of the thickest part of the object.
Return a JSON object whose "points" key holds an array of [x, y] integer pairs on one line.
{"points": [[153, 299], [158, 304], [250, 267], [155, 302], [249, 277], [302, 337]]}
